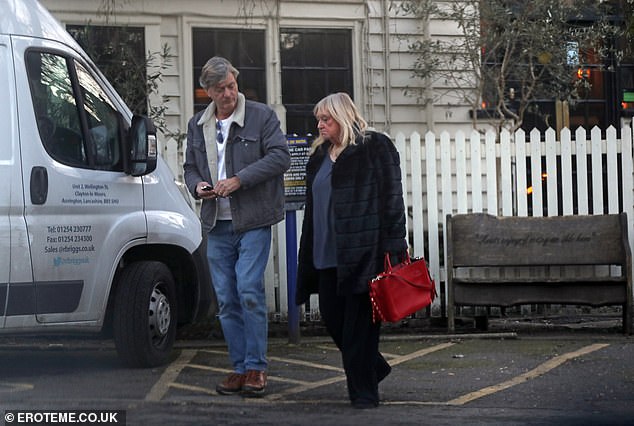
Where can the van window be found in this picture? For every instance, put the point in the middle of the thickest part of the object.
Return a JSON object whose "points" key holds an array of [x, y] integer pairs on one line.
{"points": [[77, 122], [103, 120]]}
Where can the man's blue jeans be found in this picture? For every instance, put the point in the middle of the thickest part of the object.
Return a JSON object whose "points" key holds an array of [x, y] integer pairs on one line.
{"points": [[237, 262]]}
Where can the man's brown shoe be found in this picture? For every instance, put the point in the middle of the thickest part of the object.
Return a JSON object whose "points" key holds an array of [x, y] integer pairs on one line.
{"points": [[231, 385], [255, 383]]}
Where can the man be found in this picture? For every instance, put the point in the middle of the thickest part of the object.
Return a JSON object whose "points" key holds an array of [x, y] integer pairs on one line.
{"points": [[235, 161]]}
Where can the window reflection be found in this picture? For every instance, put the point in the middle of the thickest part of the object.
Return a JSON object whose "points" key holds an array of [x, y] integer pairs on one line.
{"points": [[55, 108], [63, 108]]}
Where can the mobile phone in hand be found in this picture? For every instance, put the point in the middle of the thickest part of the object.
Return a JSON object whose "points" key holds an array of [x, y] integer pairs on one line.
{"points": [[207, 188]]}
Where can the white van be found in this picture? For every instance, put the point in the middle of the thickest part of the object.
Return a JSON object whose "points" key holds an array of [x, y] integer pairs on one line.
{"points": [[94, 232]]}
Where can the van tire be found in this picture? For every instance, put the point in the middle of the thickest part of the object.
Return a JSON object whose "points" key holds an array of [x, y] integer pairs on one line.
{"points": [[144, 323]]}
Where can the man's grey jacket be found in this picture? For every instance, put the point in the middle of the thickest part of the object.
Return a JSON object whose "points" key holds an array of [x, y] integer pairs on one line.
{"points": [[256, 152]]}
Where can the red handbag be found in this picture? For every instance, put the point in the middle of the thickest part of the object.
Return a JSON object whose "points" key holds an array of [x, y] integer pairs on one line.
{"points": [[401, 290]]}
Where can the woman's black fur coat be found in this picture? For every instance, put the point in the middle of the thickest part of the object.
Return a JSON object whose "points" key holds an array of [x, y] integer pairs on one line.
{"points": [[367, 199]]}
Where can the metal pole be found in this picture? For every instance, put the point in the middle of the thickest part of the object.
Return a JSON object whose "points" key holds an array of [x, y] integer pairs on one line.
{"points": [[291, 274]]}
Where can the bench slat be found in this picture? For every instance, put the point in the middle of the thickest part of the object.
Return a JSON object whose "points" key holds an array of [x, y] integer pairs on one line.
{"points": [[508, 294], [485, 240], [596, 281]]}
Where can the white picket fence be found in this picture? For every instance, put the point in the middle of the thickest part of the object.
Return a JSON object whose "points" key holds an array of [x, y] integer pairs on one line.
{"points": [[515, 176]]}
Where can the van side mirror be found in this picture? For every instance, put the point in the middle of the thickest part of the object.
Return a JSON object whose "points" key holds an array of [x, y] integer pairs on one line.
{"points": [[141, 149]]}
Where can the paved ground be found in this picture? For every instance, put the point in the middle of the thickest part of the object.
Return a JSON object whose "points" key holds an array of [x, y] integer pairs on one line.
{"points": [[544, 371], [520, 372]]}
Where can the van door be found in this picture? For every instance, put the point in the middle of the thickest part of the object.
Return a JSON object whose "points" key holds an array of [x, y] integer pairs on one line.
{"points": [[6, 156], [82, 211], [15, 263]]}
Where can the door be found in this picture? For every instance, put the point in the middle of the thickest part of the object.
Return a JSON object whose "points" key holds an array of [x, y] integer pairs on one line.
{"points": [[82, 212], [15, 263]]}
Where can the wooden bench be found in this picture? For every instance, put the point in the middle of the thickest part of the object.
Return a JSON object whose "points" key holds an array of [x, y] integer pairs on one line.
{"points": [[508, 261]]}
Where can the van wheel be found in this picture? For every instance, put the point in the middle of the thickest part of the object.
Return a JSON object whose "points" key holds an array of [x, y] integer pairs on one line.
{"points": [[144, 322]]}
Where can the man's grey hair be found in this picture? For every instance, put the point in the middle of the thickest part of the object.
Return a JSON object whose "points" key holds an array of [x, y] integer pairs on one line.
{"points": [[216, 70]]}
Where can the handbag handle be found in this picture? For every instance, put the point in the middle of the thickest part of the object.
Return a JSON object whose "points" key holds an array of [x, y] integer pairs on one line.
{"points": [[412, 283], [387, 264]]}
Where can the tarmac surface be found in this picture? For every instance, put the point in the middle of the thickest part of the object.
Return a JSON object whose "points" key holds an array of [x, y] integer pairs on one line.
{"points": [[552, 370], [521, 371]]}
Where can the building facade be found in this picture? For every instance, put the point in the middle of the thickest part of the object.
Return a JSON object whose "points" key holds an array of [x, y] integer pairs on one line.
{"points": [[290, 53]]}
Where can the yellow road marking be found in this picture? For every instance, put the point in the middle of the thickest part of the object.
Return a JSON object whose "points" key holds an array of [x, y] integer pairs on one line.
{"points": [[334, 348], [403, 358], [224, 370], [302, 388], [535, 372], [327, 347], [209, 368], [169, 376], [213, 351], [332, 380], [286, 360], [15, 387], [388, 355], [307, 364], [193, 388]]}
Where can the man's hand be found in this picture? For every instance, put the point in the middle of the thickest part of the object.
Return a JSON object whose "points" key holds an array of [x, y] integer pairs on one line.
{"points": [[205, 193], [225, 187]]}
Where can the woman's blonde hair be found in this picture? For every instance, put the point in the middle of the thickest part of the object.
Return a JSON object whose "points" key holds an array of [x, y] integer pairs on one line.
{"points": [[342, 109]]}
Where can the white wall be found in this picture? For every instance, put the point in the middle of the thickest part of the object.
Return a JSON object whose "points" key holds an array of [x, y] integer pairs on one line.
{"points": [[382, 61]]}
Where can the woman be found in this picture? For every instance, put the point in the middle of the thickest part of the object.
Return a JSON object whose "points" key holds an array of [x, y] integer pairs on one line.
{"points": [[354, 215]]}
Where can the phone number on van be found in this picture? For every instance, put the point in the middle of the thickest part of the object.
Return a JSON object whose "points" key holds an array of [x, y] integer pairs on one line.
{"points": [[66, 229]]}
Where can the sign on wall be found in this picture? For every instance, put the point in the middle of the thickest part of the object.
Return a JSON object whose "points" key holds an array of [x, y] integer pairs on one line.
{"points": [[295, 176]]}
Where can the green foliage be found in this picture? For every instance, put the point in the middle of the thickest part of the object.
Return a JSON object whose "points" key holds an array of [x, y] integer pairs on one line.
{"points": [[510, 53], [119, 51]]}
